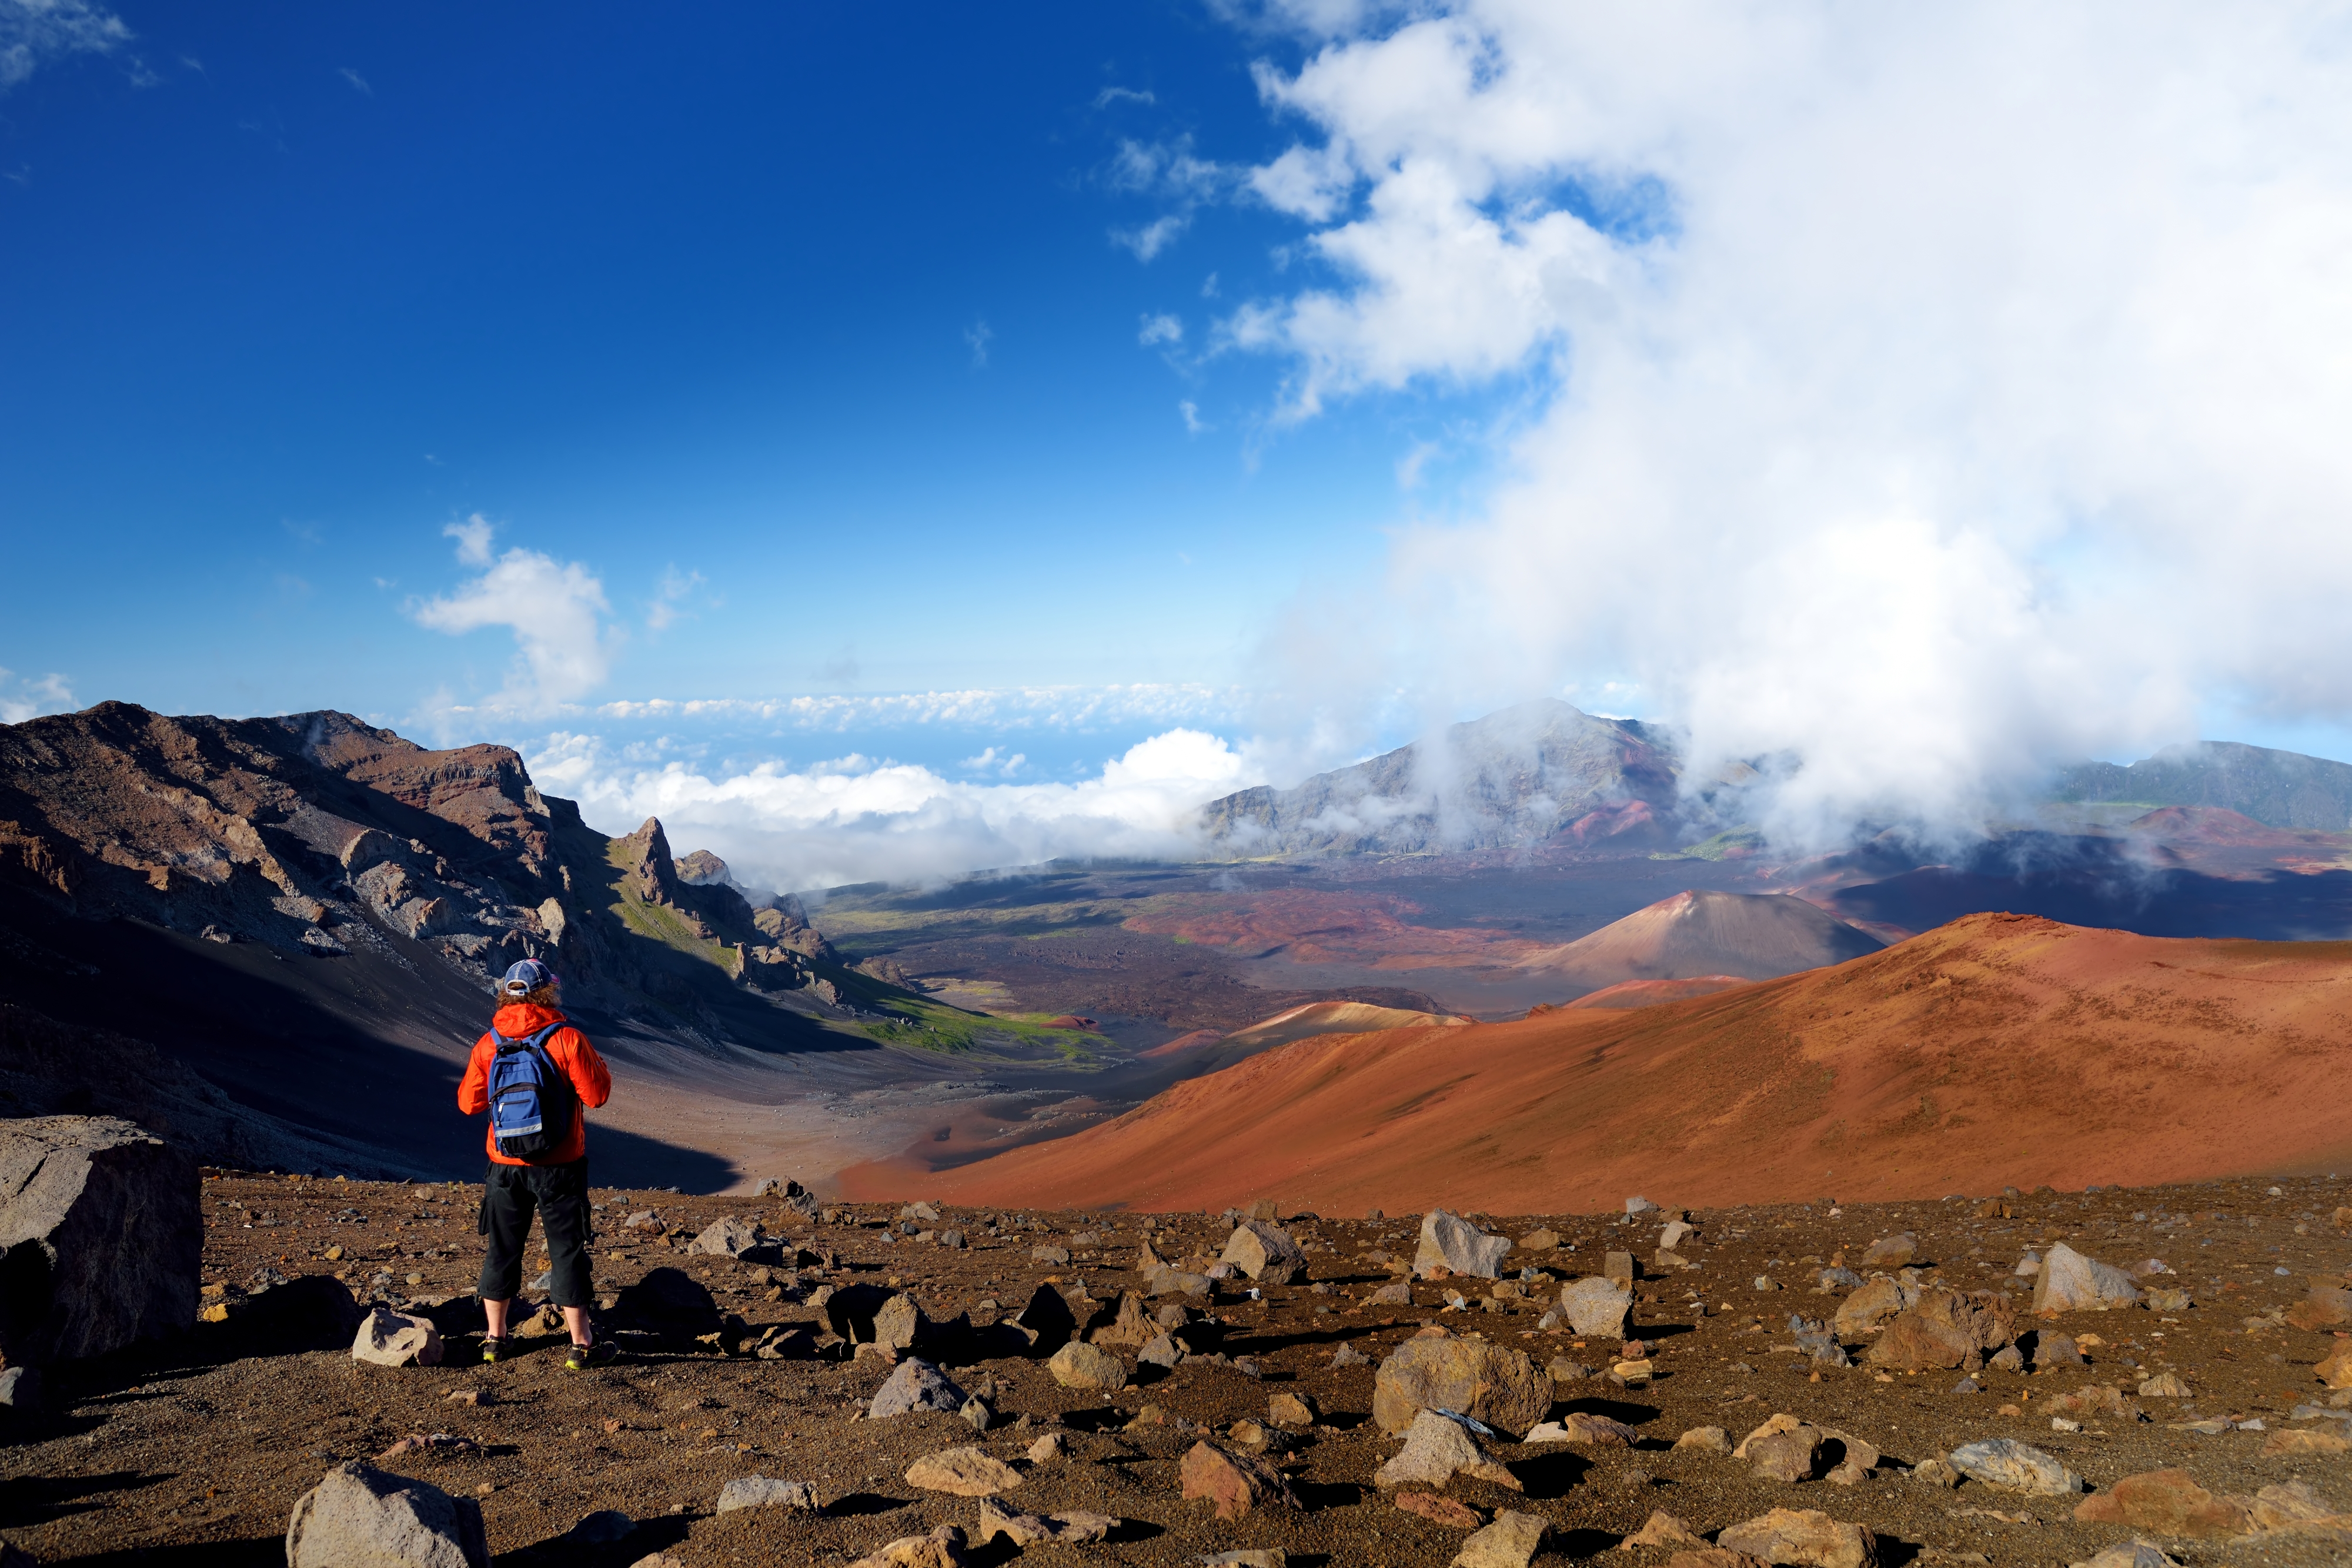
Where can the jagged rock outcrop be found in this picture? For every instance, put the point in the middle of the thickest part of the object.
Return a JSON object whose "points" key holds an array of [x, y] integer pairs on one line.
{"points": [[101, 1237]]}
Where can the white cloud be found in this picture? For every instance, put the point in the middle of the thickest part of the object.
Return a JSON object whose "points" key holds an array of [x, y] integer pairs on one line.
{"points": [[562, 648], [1192, 412], [977, 336], [356, 80], [1111, 94], [858, 821], [28, 697], [34, 32], [1932, 392], [671, 597], [1148, 240], [1160, 329], [473, 537], [1013, 709]]}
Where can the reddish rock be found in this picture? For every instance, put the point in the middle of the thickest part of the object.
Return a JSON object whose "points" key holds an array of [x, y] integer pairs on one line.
{"points": [[2167, 1502], [1439, 1510], [1943, 1328], [1489, 1383], [1236, 1483]]}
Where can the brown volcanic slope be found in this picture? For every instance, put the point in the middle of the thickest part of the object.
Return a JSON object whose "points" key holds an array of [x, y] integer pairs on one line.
{"points": [[1699, 933], [1999, 1049]]}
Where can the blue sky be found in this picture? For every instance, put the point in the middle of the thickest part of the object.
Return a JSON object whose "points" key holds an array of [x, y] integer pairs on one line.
{"points": [[805, 329], [1137, 401]]}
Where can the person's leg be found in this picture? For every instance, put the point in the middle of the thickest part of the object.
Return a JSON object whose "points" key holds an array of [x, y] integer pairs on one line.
{"points": [[507, 1205], [563, 1212]]}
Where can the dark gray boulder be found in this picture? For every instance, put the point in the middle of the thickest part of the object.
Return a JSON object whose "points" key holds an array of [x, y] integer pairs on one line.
{"points": [[101, 1237]]}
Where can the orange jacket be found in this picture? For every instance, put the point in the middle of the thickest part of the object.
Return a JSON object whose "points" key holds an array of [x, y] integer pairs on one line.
{"points": [[567, 1047]]}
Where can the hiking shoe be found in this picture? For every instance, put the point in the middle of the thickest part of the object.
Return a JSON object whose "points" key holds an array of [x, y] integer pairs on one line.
{"points": [[495, 1349], [580, 1357]]}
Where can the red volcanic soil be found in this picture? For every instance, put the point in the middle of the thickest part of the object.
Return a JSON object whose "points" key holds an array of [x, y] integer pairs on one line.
{"points": [[1999, 1049], [1649, 993], [1181, 1044]]}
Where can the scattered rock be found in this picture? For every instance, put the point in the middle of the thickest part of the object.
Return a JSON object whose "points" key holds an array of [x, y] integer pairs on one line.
{"points": [[1584, 1429], [2055, 1350], [1438, 1446], [1539, 1241], [2100, 1400], [2163, 1385], [1597, 1306], [2323, 1307], [1266, 1253], [1029, 1529], [1640, 1206], [1291, 1409], [1395, 1293], [942, 1548], [1438, 1509], [1488, 1382], [387, 1338], [1891, 1252], [966, 1472], [915, 1384], [667, 1302], [1163, 1350], [1944, 1328], [762, 1491], [101, 1229], [1458, 1247], [1805, 1536], [1046, 1449], [2302, 1440], [728, 1238], [1664, 1531], [2167, 1502], [1878, 1301], [1236, 1483], [1704, 1440], [2007, 1464], [1083, 1366], [1131, 1327], [358, 1514], [1046, 1322], [2336, 1369], [1055, 1256], [2129, 1554], [2070, 1282], [1676, 1233], [1511, 1541]]}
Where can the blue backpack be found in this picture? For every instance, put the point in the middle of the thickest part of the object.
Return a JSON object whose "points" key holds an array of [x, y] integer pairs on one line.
{"points": [[531, 1098]]}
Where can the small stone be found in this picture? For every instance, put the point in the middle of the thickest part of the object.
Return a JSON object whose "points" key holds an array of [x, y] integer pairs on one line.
{"points": [[387, 1338], [1511, 1541], [1348, 1355], [1046, 1449], [1291, 1410], [1055, 1256], [1704, 1440], [762, 1491], [1935, 1472], [1539, 1241], [1265, 1253], [2336, 1369], [1437, 1448], [2295, 1440], [1584, 1429], [1618, 1266], [1788, 1457], [2055, 1350], [2129, 1554], [942, 1548], [1235, 1483], [1083, 1366], [1163, 1350], [2006, 1464], [1640, 1206], [966, 1472], [1439, 1510]]}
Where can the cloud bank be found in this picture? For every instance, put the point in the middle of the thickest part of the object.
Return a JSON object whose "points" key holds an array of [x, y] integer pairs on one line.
{"points": [[562, 648], [1930, 393], [858, 821]]}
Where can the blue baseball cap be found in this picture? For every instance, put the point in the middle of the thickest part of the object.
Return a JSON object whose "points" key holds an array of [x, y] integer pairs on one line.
{"points": [[526, 978]]}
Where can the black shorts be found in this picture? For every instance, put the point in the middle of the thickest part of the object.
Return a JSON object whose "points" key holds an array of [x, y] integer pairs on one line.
{"points": [[558, 1195]]}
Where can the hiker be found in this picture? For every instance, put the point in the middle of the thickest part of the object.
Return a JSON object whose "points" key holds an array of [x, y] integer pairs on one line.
{"points": [[536, 1075]]}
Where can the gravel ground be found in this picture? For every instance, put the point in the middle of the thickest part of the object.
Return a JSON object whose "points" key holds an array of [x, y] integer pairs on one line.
{"points": [[196, 1454]]}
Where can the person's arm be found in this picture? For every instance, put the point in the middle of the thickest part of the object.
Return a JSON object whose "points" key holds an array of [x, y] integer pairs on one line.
{"points": [[474, 1088], [590, 1079]]}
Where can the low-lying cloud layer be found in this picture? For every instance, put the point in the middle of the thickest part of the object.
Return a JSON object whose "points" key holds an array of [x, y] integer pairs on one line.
{"points": [[859, 821], [1938, 393]]}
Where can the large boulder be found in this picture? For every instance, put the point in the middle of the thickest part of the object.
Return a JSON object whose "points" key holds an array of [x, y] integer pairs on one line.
{"points": [[310, 1312], [101, 1237], [1471, 1377], [1454, 1244], [2070, 1282], [1596, 1305], [360, 1517], [1878, 1301], [387, 1338], [915, 1384], [1437, 1448], [1265, 1253], [1945, 1328]]}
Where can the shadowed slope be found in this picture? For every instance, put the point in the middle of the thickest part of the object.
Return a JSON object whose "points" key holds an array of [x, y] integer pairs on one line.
{"points": [[1999, 1049], [1699, 933]]}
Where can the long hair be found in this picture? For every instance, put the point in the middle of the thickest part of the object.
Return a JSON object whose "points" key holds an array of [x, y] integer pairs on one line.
{"points": [[537, 995]]}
